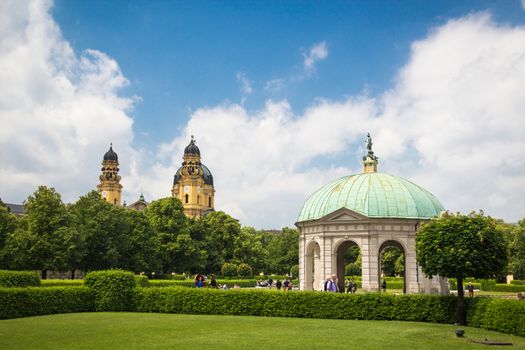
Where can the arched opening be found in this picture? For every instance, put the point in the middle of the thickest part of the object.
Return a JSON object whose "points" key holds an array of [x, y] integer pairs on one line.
{"points": [[392, 266], [209, 202], [348, 260], [312, 270], [186, 198]]}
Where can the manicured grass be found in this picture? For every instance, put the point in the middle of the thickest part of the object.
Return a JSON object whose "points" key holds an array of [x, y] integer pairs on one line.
{"points": [[163, 331]]}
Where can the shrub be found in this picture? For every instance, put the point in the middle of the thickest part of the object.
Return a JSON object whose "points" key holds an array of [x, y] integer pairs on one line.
{"points": [[141, 281], [113, 289], [294, 271], [229, 269], [244, 270], [19, 279], [353, 269], [246, 283], [488, 285], [511, 288], [426, 308], [61, 283], [502, 315], [23, 302], [517, 282]]}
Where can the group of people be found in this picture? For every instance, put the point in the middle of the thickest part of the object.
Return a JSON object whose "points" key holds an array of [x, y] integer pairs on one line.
{"points": [[286, 285], [331, 285]]}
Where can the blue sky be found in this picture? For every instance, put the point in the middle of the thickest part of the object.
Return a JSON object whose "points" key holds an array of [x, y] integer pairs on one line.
{"points": [[279, 94], [183, 55]]}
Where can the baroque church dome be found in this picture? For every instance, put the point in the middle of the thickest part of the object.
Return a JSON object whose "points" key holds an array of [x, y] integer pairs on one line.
{"points": [[111, 155], [372, 194]]}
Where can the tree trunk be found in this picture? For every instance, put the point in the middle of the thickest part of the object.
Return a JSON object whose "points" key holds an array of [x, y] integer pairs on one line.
{"points": [[44, 274], [461, 304], [72, 274]]}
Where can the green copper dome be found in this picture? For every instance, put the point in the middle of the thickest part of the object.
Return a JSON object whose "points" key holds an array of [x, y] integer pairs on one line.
{"points": [[374, 195]]}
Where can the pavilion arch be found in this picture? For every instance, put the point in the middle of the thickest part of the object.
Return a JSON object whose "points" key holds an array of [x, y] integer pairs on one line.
{"points": [[313, 268], [339, 251], [404, 250]]}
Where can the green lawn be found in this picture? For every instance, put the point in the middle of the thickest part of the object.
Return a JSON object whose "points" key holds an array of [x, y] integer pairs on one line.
{"points": [[169, 331]]}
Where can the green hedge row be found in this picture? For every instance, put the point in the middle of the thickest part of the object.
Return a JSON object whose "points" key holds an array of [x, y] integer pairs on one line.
{"points": [[425, 308], [32, 301], [61, 283], [502, 315], [190, 283], [518, 282], [19, 278]]}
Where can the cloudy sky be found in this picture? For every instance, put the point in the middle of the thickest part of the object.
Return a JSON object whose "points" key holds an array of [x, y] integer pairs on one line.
{"points": [[279, 95]]}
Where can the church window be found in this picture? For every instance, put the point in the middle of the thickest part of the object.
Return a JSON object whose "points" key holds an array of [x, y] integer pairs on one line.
{"points": [[198, 199], [187, 197], [209, 202]]}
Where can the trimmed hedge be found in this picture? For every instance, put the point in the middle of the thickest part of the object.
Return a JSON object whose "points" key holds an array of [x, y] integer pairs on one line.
{"points": [[141, 281], [190, 283], [425, 308], [502, 315], [19, 278], [518, 282], [32, 301], [62, 283], [113, 289]]}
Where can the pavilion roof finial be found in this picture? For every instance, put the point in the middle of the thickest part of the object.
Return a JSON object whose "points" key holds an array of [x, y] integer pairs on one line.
{"points": [[370, 160]]}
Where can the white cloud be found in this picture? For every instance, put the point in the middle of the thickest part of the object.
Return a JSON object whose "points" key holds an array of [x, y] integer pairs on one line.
{"points": [[245, 83], [58, 110], [317, 52], [523, 4], [453, 123]]}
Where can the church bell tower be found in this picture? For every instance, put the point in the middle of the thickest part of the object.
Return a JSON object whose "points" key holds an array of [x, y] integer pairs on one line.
{"points": [[110, 188], [193, 184]]}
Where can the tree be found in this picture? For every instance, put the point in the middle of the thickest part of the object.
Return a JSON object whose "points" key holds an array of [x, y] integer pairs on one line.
{"points": [[221, 231], [244, 270], [8, 225], [460, 246], [143, 254], [229, 269], [391, 258], [283, 250], [42, 241], [516, 249], [166, 216], [250, 248], [102, 231]]}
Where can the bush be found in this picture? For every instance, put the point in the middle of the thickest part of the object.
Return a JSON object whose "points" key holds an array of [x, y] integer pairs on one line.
{"points": [[141, 281], [511, 288], [502, 315], [244, 270], [229, 270], [113, 289], [23, 302], [488, 285], [245, 283], [426, 308], [19, 279], [353, 269], [61, 283], [517, 282]]}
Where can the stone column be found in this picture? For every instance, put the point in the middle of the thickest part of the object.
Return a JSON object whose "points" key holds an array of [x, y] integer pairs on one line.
{"points": [[302, 262], [411, 273], [369, 268]]}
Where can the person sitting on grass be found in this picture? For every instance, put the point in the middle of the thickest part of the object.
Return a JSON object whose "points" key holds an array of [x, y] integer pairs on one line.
{"points": [[278, 284]]}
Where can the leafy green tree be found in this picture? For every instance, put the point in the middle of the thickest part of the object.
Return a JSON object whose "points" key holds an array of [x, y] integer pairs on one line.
{"points": [[143, 254], [283, 250], [458, 246], [221, 232], [244, 270], [250, 248], [101, 229], [229, 269], [8, 225], [43, 240], [166, 216], [389, 257], [516, 249]]}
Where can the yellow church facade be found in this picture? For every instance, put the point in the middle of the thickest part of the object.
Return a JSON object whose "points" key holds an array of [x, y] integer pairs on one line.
{"points": [[192, 183]]}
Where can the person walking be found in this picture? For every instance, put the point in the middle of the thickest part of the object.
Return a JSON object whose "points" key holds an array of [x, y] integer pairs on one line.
{"points": [[331, 284], [278, 284], [470, 289], [351, 286], [383, 286]]}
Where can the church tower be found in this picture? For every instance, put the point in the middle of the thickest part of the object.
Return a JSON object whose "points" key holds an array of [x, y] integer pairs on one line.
{"points": [[110, 187], [193, 183]]}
